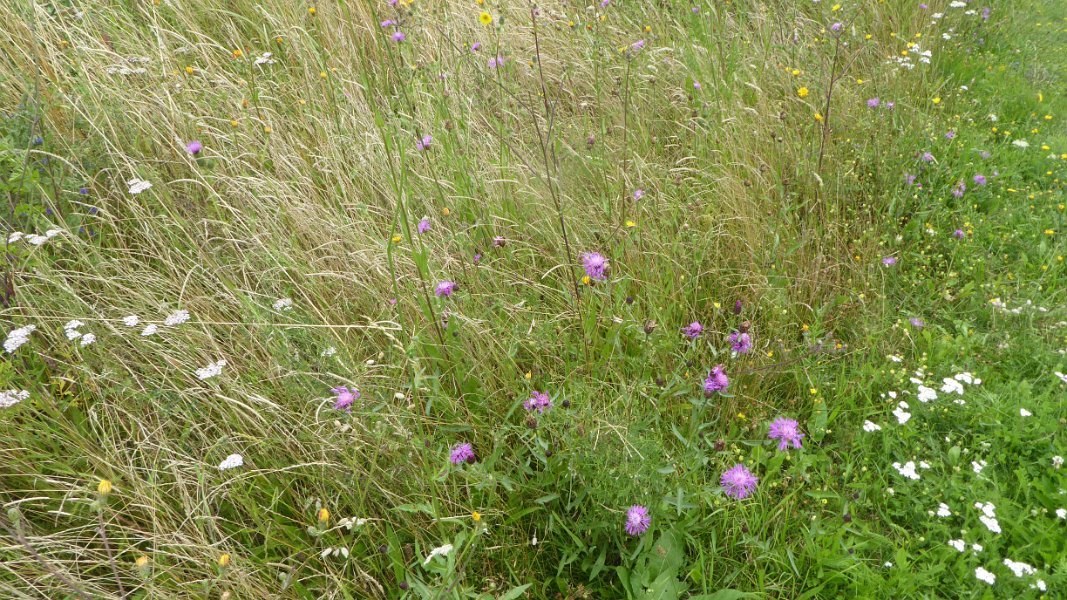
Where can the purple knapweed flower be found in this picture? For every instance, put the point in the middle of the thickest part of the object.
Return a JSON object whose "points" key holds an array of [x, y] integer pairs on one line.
{"points": [[738, 482], [194, 147], [740, 342], [873, 102], [638, 45], [398, 36], [716, 381], [693, 330], [476, 46], [595, 264], [496, 62], [462, 453], [889, 105], [388, 23], [477, 257], [696, 85], [958, 234], [604, 3], [538, 401], [980, 179], [959, 189], [909, 178], [424, 143], [985, 14], [985, 154], [889, 261], [836, 26], [737, 306], [637, 520], [345, 398], [923, 6], [444, 289], [927, 157], [499, 241], [950, 135], [917, 323], [786, 431], [638, 193], [424, 225]]}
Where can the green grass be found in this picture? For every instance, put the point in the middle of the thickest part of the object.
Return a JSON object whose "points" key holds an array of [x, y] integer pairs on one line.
{"points": [[311, 187]]}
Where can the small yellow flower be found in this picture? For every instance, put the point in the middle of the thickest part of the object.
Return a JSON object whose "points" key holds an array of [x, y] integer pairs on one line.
{"points": [[937, 100], [795, 72], [570, 24], [476, 516], [1048, 117], [859, 82], [311, 10], [804, 327], [717, 305], [528, 375], [648, 29], [104, 487], [238, 53], [741, 416], [770, 354], [631, 224], [396, 239], [142, 561], [802, 92], [867, 37], [485, 18], [224, 560], [267, 129], [189, 70], [445, 212], [278, 40], [586, 280], [835, 8], [479, 2], [813, 391], [234, 123], [818, 117], [1050, 232], [324, 515]]}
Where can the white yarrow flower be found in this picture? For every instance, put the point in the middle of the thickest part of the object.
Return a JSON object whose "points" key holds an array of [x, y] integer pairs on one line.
{"points": [[212, 370], [87, 339], [1057, 461], [283, 304], [944, 511], [1024, 413], [151, 329], [907, 469], [10, 398], [870, 426], [176, 318], [439, 551], [984, 575], [1019, 568], [131, 321], [18, 337], [138, 185], [231, 462]]}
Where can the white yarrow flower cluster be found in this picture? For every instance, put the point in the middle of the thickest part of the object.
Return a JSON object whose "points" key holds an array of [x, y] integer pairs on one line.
{"points": [[439, 551], [71, 330], [17, 337], [907, 469], [211, 370], [231, 462], [138, 185], [176, 318], [131, 320], [10, 398], [33, 238], [985, 576], [988, 516], [283, 304]]}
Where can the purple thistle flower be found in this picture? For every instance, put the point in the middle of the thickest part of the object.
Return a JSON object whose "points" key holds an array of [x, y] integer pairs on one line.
{"points": [[538, 401], [638, 193], [424, 143], [873, 102], [604, 3], [476, 46], [985, 154], [595, 264], [738, 482], [980, 179], [398, 36], [889, 261], [737, 306], [909, 178], [917, 323], [889, 105], [958, 234], [388, 23], [194, 147], [462, 453], [716, 381], [950, 135], [985, 14], [477, 258], [424, 225], [959, 189], [444, 289], [927, 157], [345, 398], [836, 26], [638, 44], [496, 62], [740, 342], [786, 431], [693, 330], [637, 520], [696, 85], [923, 6]]}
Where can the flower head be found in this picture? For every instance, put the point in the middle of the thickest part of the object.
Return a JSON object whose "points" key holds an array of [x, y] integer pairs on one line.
{"points": [[345, 398], [538, 401], [194, 147], [786, 431], [398, 36], [693, 330], [485, 18], [889, 261], [979, 179], [637, 520], [444, 289], [738, 482], [595, 264], [424, 225], [716, 381], [462, 453], [873, 103], [740, 342], [424, 143]]}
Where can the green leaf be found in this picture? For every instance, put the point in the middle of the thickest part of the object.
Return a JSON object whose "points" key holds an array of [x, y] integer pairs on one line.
{"points": [[515, 592]]}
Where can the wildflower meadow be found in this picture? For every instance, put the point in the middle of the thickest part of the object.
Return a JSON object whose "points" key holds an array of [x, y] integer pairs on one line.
{"points": [[488, 299]]}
